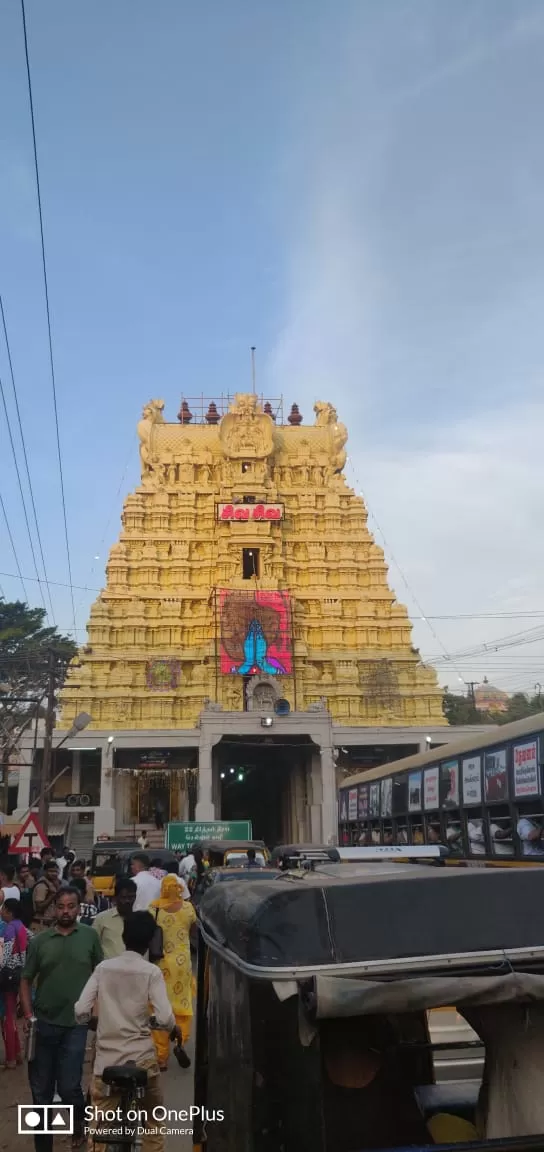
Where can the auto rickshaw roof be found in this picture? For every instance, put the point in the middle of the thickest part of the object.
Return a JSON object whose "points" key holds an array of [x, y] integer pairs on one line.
{"points": [[385, 912], [308, 850]]}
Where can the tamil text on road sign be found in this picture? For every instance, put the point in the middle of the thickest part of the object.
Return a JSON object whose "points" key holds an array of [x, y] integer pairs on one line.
{"points": [[180, 837]]}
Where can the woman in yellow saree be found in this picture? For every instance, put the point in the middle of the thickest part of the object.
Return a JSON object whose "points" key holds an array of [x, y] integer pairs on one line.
{"points": [[175, 916]]}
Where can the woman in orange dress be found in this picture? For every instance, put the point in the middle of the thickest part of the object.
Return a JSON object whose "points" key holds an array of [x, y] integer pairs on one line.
{"points": [[175, 916]]}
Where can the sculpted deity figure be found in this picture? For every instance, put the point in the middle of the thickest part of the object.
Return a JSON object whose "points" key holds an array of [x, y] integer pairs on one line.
{"points": [[246, 431], [326, 417], [152, 414]]}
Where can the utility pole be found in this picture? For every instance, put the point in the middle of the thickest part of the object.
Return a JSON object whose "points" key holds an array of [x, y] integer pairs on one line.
{"points": [[43, 810], [472, 697]]}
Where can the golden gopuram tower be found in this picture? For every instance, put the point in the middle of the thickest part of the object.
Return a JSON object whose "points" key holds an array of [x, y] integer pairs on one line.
{"points": [[245, 567]]}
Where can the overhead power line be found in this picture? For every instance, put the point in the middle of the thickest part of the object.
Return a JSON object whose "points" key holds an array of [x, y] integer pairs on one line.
{"points": [[424, 617], [25, 457], [20, 483], [48, 311], [14, 550]]}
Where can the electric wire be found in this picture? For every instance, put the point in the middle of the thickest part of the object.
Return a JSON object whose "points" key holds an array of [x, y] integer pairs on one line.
{"points": [[23, 501], [48, 311], [25, 455], [424, 617], [14, 550]]}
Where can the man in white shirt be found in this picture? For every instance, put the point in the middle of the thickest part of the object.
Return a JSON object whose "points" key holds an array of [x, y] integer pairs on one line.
{"points": [[186, 864], [476, 837], [123, 989], [530, 834], [148, 886]]}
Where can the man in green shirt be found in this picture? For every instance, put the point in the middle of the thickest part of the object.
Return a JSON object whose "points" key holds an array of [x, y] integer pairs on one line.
{"points": [[59, 961], [109, 925]]}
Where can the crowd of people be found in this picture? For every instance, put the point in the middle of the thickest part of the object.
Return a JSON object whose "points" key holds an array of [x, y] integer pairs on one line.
{"points": [[123, 971]]}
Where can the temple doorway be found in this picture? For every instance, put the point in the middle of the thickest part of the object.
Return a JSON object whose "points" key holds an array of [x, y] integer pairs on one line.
{"points": [[264, 783]]}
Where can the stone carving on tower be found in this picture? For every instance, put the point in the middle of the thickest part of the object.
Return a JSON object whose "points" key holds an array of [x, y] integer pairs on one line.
{"points": [[238, 500], [246, 431]]}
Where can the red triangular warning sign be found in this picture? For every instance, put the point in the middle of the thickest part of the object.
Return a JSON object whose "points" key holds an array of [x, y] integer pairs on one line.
{"points": [[30, 838]]}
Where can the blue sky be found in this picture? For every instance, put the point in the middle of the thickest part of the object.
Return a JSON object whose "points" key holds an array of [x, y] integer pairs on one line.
{"points": [[354, 188]]}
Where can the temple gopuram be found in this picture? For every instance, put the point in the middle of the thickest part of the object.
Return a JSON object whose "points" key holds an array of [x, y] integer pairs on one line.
{"points": [[247, 648]]}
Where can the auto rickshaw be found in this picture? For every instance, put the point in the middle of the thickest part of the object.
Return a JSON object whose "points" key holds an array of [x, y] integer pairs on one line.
{"points": [[108, 861], [223, 853], [112, 858], [313, 995]]}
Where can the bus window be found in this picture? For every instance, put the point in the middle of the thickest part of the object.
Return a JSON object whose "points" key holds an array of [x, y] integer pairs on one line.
{"points": [[433, 832], [530, 830], [375, 832], [454, 833], [416, 830], [400, 835], [476, 833], [500, 831], [387, 832]]}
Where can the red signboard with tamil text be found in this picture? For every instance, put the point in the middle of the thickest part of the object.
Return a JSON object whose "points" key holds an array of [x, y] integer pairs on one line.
{"points": [[249, 512]]}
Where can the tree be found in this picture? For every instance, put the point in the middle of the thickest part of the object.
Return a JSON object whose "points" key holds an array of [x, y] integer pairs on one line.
{"points": [[462, 710], [27, 648]]}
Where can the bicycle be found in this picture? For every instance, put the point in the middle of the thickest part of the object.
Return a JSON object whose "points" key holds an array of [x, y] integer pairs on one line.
{"points": [[130, 1082]]}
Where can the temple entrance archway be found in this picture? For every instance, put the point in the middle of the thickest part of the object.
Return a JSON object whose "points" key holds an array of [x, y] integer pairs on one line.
{"points": [[265, 781]]}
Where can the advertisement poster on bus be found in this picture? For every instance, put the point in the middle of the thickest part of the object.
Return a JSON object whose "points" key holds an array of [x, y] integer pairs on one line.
{"points": [[414, 792], [374, 802], [526, 774], [343, 807], [352, 804], [449, 784], [430, 788], [472, 780], [363, 801], [496, 776], [387, 797]]}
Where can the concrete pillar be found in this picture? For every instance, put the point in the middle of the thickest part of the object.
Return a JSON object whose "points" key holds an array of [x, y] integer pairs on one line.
{"points": [[329, 806], [76, 771], [315, 795], [423, 746], [25, 771], [104, 817], [205, 807]]}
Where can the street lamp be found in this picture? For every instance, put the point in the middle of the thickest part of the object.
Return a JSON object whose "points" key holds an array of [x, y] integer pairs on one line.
{"points": [[81, 721]]}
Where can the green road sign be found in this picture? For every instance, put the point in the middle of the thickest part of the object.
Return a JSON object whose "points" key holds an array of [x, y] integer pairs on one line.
{"points": [[181, 836]]}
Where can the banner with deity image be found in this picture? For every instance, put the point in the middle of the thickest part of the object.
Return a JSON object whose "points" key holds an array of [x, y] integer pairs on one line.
{"points": [[255, 633]]}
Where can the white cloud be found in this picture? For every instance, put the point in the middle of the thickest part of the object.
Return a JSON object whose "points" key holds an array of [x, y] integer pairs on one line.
{"points": [[462, 517], [433, 374]]}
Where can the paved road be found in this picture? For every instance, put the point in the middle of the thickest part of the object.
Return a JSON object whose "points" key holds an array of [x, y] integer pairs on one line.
{"points": [[178, 1094]]}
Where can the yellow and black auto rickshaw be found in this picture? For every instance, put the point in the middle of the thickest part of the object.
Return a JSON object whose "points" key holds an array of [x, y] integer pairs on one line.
{"points": [[109, 860], [312, 1010], [224, 853]]}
